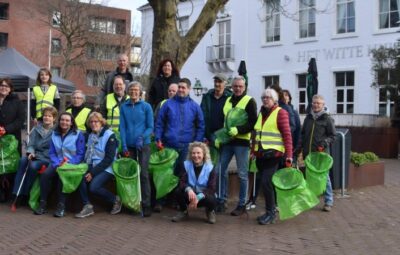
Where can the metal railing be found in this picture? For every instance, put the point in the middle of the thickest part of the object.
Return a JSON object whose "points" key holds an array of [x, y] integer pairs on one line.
{"points": [[217, 53]]}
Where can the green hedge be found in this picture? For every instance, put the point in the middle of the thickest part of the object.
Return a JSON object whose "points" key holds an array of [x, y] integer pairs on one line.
{"points": [[359, 159]]}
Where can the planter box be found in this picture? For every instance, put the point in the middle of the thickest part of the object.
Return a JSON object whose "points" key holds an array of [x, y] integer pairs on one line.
{"points": [[369, 174]]}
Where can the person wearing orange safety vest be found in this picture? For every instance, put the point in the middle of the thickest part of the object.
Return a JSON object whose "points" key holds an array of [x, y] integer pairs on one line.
{"points": [[273, 140]]}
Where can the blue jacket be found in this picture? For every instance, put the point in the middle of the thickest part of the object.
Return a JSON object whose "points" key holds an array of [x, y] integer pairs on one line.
{"points": [[71, 146], [179, 122], [101, 151], [135, 120], [201, 183]]}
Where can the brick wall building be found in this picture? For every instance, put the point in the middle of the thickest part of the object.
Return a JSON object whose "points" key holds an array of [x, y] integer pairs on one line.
{"points": [[34, 29]]}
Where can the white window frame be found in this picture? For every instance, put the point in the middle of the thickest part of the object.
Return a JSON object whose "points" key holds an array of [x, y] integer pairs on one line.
{"points": [[308, 10], [378, 15], [224, 39], [347, 4], [345, 88], [275, 79], [272, 22], [388, 104], [56, 50], [182, 24], [56, 19]]}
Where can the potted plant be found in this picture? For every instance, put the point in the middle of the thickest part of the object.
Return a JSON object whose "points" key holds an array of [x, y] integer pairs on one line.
{"points": [[365, 170]]}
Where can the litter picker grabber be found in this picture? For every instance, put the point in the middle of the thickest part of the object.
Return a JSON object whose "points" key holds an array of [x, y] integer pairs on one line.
{"points": [[14, 204], [139, 184]]}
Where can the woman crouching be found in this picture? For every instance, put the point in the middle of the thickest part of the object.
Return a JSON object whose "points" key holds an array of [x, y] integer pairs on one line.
{"points": [[197, 184]]}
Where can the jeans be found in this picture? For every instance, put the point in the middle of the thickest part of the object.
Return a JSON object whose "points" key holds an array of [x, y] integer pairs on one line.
{"points": [[96, 186], [31, 173], [242, 163], [182, 156], [143, 157], [209, 202], [46, 179], [328, 195]]}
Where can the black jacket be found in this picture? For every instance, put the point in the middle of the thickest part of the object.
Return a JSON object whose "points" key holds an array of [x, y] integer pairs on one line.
{"points": [[159, 89], [12, 116], [322, 130]]}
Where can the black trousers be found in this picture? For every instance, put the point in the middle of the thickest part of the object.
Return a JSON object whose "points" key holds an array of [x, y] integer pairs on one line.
{"points": [[209, 202], [267, 168]]}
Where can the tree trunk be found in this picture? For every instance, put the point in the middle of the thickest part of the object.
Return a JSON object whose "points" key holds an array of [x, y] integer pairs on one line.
{"points": [[167, 43]]}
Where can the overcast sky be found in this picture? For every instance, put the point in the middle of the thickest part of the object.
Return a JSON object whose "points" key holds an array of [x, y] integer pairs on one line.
{"points": [[129, 5]]}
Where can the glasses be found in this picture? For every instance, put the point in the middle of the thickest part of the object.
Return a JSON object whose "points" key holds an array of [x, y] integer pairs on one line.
{"points": [[77, 97], [94, 121], [4, 86]]}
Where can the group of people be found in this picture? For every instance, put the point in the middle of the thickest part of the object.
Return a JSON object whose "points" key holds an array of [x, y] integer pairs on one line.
{"points": [[126, 124]]}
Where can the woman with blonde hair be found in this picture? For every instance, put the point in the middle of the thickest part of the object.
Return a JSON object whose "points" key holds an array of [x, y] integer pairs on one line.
{"points": [[100, 154], [197, 183]]}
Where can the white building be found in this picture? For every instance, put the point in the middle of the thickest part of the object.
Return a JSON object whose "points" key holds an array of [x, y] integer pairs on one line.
{"points": [[277, 46]]}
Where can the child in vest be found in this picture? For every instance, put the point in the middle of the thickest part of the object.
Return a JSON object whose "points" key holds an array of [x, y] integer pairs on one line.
{"points": [[44, 94]]}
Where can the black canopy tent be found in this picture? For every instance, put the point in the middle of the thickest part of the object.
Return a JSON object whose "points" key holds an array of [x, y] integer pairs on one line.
{"points": [[23, 73]]}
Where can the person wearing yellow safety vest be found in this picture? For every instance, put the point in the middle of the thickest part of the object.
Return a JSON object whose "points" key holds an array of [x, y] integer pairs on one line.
{"points": [[44, 94], [238, 146], [273, 140], [112, 103], [79, 110]]}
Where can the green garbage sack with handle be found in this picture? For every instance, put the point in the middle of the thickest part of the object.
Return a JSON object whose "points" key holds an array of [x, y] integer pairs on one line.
{"points": [[293, 195], [317, 170], [235, 117], [161, 165], [127, 177], [71, 176], [34, 194], [9, 155]]}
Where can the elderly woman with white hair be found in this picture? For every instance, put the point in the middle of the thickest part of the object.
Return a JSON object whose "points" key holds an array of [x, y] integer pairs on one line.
{"points": [[273, 140], [79, 110], [197, 183], [136, 126]]}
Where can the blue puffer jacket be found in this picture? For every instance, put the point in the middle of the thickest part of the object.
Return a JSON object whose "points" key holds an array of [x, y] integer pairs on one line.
{"points": [[179, 122], [135, 120]]}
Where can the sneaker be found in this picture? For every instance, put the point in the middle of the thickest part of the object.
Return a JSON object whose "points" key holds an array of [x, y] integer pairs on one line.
{"points": [[117, 206], [60, 211], [211, 217], [180, 216], [41, 209], [327, 208], [157, 208], [87, 210], [267, 218], [147, 211], [239, 210], [250, 205]]}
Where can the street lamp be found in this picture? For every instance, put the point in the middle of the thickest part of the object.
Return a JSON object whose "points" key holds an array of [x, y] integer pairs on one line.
{"points": [[198, 89]]}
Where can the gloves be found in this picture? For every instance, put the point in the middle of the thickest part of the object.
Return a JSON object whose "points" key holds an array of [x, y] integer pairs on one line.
{"points": [[159, 145], [42, 169], [217, 143], [139, 143], [2, 131], [233, 131], [126, 154], [320, 149]]}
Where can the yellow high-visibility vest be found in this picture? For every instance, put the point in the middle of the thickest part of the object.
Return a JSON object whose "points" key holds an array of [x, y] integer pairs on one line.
{"points": [[112, 112], [241, 105], [81, 118], [268, 135], [44, 100]]}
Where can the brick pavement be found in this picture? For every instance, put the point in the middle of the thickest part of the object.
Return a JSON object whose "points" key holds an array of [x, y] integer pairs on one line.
{"points": [[365, 223]]}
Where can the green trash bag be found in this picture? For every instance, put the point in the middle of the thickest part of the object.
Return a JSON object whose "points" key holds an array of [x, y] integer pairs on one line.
{"points": [[235, 117], [9, 155], [127, 176], [71, 176], [118, 136], [292, 193], [161, 165], [317, 170], [252, 165], [34, 194]]}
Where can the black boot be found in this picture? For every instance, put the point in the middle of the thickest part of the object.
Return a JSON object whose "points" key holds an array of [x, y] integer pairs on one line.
{"points": [[41, 209], [267, 218], [60, 211]]}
